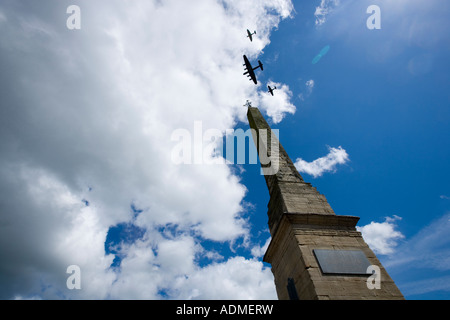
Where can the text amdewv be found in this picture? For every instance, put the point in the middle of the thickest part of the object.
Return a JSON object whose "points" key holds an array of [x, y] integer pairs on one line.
{"points": [[230, 309], [246, 309]]}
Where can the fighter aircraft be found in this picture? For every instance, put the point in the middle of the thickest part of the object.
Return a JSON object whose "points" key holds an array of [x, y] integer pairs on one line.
{"points": [[250, 71], [250, 35], [271, 89]]}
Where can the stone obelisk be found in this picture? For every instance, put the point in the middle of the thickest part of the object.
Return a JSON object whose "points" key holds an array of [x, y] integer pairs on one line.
{"points": [[315, 254]]}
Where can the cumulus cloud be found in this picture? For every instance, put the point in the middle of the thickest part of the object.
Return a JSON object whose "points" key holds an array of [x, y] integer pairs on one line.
{"points": [[85, 128], [278, 105], [309, 86], [382, 238], [328, 163], [259, 251], [238, 278], [325, 8]]}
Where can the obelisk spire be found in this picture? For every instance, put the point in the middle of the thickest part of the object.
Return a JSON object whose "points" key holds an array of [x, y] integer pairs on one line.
{"points": [[289, 193], [314, 253]]}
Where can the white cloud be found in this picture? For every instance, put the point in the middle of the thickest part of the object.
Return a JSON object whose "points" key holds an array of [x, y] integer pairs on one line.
{"points": [[166, 268], [310, 85], [258, 251], [328, 163], [325, 8], [382, 238], [426, 250], [238, 278], [429, 244], [87, 117], [278, 105]]}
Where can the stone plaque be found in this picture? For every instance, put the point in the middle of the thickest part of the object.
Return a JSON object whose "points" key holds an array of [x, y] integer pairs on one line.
{"points": [[342, 261]]}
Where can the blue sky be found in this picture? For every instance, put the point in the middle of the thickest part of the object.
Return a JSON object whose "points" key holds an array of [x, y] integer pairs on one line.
{"points": [[90, 119], [388, 110]]}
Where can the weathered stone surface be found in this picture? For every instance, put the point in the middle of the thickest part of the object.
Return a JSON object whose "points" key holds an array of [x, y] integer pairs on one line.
{"points": [[291, 255], [288, 192]]}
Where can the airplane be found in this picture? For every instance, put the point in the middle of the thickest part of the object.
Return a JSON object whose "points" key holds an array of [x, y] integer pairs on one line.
{"points": [[250, 35], [271, 89], [250, 71]]}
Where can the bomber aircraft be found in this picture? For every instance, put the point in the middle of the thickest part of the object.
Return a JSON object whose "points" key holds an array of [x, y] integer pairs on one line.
{"points": [[250, 71]]}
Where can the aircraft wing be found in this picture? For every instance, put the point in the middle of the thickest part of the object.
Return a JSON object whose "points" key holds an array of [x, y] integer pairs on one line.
{"points": [[250, 35], [249, 70]]}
